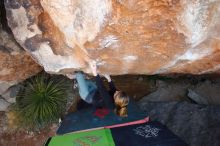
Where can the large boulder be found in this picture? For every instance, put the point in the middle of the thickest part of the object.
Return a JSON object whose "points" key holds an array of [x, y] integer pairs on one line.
{"points": [[168, 91], [205, 93], [197, 125], [16, 64], [123, 36], [3, 104]]}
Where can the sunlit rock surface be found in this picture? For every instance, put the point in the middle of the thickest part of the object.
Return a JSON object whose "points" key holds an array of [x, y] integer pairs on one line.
{"points": [[16, 64], [15, 67], [123, 36]]}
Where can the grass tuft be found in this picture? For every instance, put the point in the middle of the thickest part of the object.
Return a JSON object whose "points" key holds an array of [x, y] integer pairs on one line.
{"points": [[42, 101]]}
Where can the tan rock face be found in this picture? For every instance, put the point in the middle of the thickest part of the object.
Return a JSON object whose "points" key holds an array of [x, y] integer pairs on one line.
{"points": [[16, 64], [123, 36]]}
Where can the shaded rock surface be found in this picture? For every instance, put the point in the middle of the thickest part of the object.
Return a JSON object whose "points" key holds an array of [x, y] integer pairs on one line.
{"points": [[197, 125], [16, 64], [3, 104], [124, 37], [196, 89], [11, 93], [205, 93], [168, 91]]}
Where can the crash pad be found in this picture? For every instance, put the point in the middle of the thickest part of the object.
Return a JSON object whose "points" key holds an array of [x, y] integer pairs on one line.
{"points": [[100, 137], [144, 134], [90, 118]]}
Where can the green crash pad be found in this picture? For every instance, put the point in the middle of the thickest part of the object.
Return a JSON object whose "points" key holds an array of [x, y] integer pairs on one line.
{"points": [[101, 137]]}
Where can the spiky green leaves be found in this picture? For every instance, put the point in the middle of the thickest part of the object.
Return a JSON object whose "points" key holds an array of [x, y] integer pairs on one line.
{"points": [[42, 101]]}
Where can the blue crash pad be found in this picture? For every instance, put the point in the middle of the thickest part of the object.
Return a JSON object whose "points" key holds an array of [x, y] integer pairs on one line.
{"points": [[85, 119]]}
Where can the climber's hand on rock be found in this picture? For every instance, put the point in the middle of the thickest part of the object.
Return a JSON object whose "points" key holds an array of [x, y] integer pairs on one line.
{"points": [[93, 67], [107, 77], [71, 76]]}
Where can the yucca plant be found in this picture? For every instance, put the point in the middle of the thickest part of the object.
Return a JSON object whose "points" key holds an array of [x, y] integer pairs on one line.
{"points": [[42, 101]]}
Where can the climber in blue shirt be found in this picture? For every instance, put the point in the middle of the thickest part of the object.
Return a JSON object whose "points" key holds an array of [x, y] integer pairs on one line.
{"points": [[96, 94], [87, 88]]}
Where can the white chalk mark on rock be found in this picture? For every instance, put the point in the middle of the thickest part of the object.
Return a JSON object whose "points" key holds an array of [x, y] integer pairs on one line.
{"points": [[130, 58], [109, 41]]}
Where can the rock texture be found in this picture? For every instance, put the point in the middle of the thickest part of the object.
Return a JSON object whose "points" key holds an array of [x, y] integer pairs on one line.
{"points": [[203, 90], [16, 64], [10, 136], [168, 91], [123, 36], [197, 125], [3, 104], [205, 93]]}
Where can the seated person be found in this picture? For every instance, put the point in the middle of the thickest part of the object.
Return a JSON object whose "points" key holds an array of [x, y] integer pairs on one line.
{"points": [[96, 94]]}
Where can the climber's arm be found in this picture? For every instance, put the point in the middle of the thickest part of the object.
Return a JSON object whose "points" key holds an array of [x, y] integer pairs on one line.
{"points": [[111, 85], [101, 88], [82, 85]]}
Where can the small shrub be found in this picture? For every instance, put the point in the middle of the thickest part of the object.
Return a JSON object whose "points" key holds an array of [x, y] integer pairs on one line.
{"points": [[42, 101], [13, 118]]}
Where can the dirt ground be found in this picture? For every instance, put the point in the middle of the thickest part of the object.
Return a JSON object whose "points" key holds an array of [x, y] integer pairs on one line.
{"points": [[22, 138]]}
